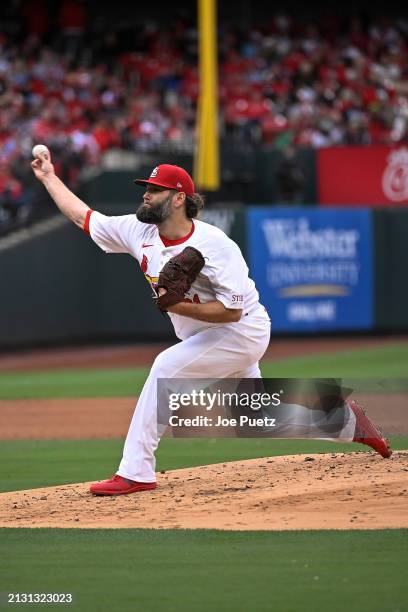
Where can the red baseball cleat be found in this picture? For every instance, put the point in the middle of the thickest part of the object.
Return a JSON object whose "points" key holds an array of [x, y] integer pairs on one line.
{"points": [[118, 485], [367, 433]]}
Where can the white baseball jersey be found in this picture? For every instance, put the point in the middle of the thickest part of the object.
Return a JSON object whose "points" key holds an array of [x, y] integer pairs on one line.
{"points": [[224, 276]]}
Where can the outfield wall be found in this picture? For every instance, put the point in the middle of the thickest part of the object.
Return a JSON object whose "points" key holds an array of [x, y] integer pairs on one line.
{"points": [[246, 176], [59, 287], [391, 269]]}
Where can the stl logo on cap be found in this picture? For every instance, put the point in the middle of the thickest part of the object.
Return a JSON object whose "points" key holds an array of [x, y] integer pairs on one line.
{"points": [[170, 177]]}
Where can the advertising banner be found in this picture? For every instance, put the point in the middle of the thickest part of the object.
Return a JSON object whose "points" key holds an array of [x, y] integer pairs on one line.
{"points": [[313, 267], [373, 176]]}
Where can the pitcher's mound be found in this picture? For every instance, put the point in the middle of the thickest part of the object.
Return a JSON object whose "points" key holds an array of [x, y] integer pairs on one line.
{"points": [[332, 491]]}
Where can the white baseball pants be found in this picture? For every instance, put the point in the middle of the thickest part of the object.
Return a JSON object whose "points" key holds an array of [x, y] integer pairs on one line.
{"points": [[228, 351]]}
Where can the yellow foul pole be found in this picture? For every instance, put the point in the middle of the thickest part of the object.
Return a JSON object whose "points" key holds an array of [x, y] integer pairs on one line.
{"points": [[206, 157]]}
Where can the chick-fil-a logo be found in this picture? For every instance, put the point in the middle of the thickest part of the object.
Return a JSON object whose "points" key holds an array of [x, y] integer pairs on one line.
{"points": [[395, 176]]}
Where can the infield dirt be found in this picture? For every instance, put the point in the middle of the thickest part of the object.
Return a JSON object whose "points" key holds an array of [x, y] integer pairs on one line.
{"points": [[331, 491], [109, 417]]}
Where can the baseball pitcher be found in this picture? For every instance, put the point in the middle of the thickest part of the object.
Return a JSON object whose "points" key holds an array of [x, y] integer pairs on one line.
{"points": [[200, 278]]}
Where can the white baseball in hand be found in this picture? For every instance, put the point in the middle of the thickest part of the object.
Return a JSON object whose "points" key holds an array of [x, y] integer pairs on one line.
{"points": [[39, 150]]}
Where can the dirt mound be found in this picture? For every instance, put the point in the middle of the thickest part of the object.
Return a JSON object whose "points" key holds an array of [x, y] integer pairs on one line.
{"points": [[332, 491]]}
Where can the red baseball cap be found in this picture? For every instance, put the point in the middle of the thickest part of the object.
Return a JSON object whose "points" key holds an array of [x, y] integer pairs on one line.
{"points": [[170, 177]]}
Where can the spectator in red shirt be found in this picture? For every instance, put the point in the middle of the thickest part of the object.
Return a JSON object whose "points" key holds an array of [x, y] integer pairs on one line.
{"points": [[72, 22]]}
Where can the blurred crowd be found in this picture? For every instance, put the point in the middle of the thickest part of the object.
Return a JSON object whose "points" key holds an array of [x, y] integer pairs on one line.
{"points": [[83, 86]]}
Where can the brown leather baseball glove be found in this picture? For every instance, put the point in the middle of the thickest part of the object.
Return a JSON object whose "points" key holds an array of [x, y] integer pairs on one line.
{"points": [[177, 276]]}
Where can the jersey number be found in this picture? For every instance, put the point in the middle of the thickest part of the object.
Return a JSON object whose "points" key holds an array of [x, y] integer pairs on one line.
{"points": [[195, 300]]}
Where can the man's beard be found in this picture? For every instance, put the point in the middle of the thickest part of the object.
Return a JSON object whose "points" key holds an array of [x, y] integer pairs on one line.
{"points": [[155, 214]]}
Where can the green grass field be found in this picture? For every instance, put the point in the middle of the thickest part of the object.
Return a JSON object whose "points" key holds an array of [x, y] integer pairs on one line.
{"points": [[198, 571], [381, 363], [193, 571]]}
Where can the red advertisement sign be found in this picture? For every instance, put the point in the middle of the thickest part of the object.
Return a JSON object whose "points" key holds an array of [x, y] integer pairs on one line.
{"points": [[372, 176]]}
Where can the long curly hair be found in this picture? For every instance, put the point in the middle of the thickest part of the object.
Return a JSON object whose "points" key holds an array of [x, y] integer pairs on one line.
{"points": [[194, 204]]}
